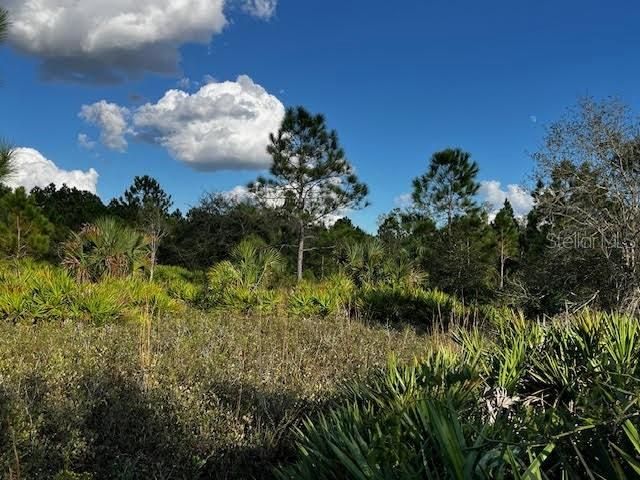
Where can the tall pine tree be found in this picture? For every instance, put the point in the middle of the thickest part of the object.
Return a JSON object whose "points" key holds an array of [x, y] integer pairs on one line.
{"points": [[311, 178], [146, 205], [448, 188], [507, 236]]}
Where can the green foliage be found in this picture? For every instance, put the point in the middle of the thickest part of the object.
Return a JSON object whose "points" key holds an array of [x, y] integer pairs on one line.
{"points": [[217, 400], [144, 197], [324, 245], [34, 293], [447, 189], [24, 230], [67, 475], [532, 400], [311, 177], [419, 307], [69, 209], [180, 283], [370, 264], [7, 161], [105, 249], [215, 225], [507, 234], [242, 282], [331, 296]]}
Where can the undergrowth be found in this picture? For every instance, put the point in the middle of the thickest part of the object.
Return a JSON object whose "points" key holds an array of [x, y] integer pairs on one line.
{"points": [[527, 401]]}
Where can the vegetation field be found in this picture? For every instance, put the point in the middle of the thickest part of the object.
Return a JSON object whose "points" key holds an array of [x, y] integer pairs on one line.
{"points": [[209, 396], [262, 334]]}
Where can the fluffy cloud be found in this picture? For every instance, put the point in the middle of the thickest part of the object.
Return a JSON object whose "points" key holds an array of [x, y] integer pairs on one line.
{"points": [[111, 119], [239, 194], [106, 41], [492, 193], [34, 170], [224, 125]]}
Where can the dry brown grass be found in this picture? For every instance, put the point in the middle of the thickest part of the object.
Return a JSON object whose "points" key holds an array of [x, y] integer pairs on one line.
{"points": [[215, 395]]}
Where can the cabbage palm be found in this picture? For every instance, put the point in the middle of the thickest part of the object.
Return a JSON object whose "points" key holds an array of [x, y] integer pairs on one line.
{"points": [[105, 249], [368, 263], [364, 261], [255, 262], [240, 281]]}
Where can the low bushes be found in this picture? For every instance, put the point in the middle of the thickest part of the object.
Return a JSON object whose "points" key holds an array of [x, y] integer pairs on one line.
{"points": [[34, 292], [422, 308], [180, 283], [332, 296], [530, 400], [217, 398]]}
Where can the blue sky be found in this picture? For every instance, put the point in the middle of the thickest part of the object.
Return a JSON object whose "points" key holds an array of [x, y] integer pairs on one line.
{"points": [[398, 80]]}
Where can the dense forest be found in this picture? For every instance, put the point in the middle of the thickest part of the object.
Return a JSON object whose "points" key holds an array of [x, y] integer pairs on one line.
{"points": [[264, 335]]}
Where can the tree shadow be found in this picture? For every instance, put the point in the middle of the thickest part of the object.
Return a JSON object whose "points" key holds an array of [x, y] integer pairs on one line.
{"points": [[105, 424], [276, 414]]}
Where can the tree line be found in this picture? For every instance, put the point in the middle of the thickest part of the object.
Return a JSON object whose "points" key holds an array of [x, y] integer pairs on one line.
{"points": [[577, 246]]}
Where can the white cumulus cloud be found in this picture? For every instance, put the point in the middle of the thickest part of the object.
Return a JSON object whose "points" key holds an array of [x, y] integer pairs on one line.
{"points": [[107, 41], [111, 119], [222, 126], [34, 170], [239, 193], [494, 195]]}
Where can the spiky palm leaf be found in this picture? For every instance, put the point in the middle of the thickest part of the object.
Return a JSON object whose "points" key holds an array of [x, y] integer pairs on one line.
{"points": [[7, 155], [105, 249]]}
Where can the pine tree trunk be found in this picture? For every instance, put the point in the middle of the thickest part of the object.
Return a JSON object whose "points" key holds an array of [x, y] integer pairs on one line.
{"points": [[154, 249], [19, 237], [301, 250], [502, 262]]}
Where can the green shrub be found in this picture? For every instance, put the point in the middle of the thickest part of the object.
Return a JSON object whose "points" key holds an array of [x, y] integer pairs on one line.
{"points": [[34, 293], [167, 273], [217, 399], [554, 400], [180, 283], [105, 249], [368, 264], [329, 297], [242, 284], [99, 306]]}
